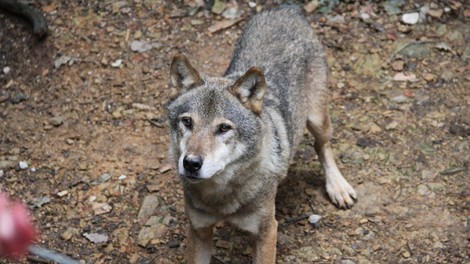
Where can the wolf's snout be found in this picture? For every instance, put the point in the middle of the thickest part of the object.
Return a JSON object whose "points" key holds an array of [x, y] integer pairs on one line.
{"points": [[192, 163]]}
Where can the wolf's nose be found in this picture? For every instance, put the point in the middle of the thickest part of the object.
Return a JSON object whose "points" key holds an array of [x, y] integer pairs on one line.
{"points": [[192, 163]]}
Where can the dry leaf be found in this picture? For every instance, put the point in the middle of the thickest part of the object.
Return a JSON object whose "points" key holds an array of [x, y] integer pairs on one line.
{"points": [[224, 24]]}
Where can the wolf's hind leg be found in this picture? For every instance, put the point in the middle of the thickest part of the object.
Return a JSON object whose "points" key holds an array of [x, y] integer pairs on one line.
{"points": [[339, 190]]}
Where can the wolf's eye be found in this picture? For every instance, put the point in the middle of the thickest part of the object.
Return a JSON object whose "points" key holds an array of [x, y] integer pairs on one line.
{"points": [[224, 128], [187, 122]]}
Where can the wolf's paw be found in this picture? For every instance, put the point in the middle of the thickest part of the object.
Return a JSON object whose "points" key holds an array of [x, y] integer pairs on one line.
{"points": [[341, 193]]}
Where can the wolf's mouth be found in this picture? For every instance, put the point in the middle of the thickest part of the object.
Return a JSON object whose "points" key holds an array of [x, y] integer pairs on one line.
{"points": [[192, 178]]}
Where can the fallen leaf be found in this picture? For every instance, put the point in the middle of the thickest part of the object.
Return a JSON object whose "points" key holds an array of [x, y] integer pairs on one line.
{"points": [[224, 24]]}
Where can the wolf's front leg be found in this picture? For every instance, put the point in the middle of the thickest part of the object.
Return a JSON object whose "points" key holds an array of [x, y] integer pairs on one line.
{"points": [[199, 245], [266, 242]]}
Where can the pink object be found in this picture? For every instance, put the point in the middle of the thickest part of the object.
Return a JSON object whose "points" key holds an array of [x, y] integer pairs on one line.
{"points": [[17, 231]]}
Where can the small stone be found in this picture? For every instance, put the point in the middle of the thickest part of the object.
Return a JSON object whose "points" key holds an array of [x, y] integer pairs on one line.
{"points": [[56, 121], [392, 125], [154, 221], [232, 12], [251, 4], [223, 244], [466, 13], [82, 166], [456, 38], [138, 34], [427, 174], [448, 75], [116, 63], [15, 151], [398, 65], [104, 61], [62, 193], [104, 177], [410, 18], [96, 238], [117, 114], [429, 77], [38, 202], [61, 61], [377, 247], [400, 99], [6, 164], [435, 13], [148, 233], [1, 173], [311, 6], [142, 45], [6, 70], [404, 29], [101, 208], [122, 177], [401, 77], [314, 218], [363, 220], [153, 187], [122, 235], [109, 29], [109, 248], [441, 30], [423, 190], [69, 141], [218, 7], [196, 22], [23, 165], [145, 69], [67, 234], [406, 254], [166, 167]]}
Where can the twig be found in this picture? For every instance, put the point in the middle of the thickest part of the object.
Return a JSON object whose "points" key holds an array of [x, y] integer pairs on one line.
{"points": [[414, 42], [293, 220]]}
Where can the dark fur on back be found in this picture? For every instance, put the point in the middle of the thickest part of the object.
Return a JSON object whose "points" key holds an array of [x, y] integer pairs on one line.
{"points": [[282, 44]]}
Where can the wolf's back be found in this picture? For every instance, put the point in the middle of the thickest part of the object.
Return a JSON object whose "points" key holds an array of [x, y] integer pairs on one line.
{"points": [[284, 46], [273, 40]]}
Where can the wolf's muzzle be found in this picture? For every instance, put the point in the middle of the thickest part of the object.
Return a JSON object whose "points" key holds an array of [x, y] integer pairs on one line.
{"points": [[192, 164]]}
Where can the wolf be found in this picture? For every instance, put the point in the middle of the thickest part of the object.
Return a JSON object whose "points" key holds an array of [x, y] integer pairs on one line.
{"points": [[233, 137]]}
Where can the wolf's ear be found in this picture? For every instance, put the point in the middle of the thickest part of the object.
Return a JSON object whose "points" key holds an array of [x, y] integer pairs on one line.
{"points": [[250, 89], [183, 75]]}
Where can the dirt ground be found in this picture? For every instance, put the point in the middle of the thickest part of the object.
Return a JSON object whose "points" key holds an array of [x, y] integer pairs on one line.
{"points": [[84, 109]]}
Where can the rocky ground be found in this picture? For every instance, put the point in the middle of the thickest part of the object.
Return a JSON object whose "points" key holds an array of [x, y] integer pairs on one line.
{"points": [[84, 140]]}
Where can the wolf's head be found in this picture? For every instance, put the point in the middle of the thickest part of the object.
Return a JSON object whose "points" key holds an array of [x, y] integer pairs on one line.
{"points": [[214, 122]]}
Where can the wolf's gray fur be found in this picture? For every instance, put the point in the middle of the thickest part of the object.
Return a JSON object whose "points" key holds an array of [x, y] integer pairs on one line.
{"points": [[233, 137]]}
